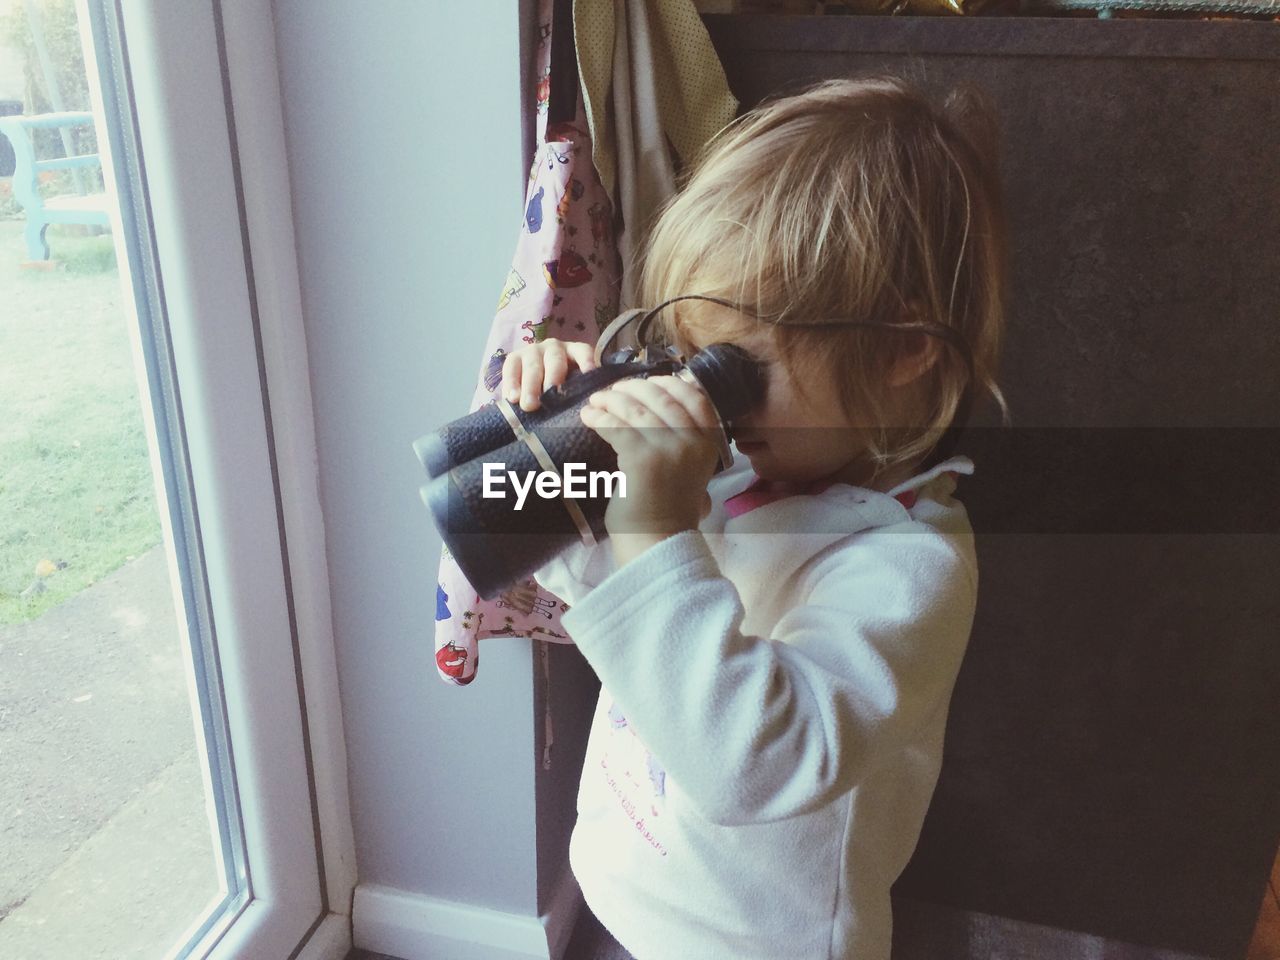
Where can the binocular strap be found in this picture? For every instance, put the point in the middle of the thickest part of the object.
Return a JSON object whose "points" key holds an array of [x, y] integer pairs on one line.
{"points": [[544, 459]]}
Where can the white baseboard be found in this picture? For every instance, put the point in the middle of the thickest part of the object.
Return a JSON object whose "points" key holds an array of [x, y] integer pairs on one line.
{"points": [[413, 926]]}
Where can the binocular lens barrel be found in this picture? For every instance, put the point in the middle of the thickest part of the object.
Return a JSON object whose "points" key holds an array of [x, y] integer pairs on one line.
{"points": [[488, 429], [499, 540]]}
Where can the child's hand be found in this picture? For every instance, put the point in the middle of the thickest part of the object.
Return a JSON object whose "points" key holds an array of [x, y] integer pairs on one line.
{"points": [[663, 430], [527, 372]]}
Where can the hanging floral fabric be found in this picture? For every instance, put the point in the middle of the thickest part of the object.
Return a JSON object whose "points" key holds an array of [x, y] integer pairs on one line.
{"points": [[563, 283], [566, 278]]}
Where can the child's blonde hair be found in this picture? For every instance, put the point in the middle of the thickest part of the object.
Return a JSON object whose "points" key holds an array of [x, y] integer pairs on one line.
{"points": [[852, 198]]}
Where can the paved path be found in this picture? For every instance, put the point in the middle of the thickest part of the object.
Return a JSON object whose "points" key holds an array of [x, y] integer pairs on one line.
{"points": [[104, 836]]}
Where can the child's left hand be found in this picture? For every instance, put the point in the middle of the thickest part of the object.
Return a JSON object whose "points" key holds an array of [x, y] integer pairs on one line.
{"points": [[664, 431]]}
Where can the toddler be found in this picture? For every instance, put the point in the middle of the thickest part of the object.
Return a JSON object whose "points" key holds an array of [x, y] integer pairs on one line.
{"points": [[777, 642]]}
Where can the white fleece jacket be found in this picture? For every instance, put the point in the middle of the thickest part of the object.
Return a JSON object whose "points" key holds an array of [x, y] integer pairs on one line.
{"points": [[769, 731]]}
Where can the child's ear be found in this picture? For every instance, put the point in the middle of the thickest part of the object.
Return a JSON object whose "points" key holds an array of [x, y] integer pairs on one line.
{"points": [[922, 355]]}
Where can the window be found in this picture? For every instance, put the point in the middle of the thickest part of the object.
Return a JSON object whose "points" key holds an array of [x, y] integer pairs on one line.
{"points": [[226, 840]]}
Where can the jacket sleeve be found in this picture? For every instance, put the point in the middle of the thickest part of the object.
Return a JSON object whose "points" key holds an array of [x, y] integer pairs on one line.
{"points": [[753, 728], [576, 571]]}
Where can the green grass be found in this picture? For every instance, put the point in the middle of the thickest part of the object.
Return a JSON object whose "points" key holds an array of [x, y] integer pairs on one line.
{"points": [[75, 478]]}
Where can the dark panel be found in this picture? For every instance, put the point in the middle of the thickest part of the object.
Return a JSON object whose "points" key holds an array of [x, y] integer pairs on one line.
{"points": [[1111, 764], [566, 680], [984, 37], [928, 931]]}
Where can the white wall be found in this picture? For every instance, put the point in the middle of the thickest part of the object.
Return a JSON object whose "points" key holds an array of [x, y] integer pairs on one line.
{"points": [[405, 139]]}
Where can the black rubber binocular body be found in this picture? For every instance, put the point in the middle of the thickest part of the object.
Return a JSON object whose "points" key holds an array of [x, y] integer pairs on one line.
{"points": [[498, 541]]}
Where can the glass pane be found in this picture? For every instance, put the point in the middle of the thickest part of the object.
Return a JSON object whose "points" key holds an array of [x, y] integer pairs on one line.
{"points": [[118, 832]]}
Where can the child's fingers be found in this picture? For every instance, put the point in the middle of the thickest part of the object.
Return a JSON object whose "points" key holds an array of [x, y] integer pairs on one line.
{"points": [[555, 364], [530, 371], [559, 356], [511, 377], [633, 414], [530, 385], [614, 430], [663, 401], [624, 407], [694, 400], [582, 354]]}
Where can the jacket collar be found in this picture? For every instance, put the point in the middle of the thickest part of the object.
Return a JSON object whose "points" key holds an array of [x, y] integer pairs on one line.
{"points": [[909, 488], [757, 491]]}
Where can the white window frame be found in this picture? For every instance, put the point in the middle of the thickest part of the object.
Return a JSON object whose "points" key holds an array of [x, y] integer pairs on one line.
{"points": [[206, 98]]}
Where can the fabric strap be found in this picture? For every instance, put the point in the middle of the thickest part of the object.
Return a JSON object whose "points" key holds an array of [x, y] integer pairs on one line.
{"points": [[544, 460]]}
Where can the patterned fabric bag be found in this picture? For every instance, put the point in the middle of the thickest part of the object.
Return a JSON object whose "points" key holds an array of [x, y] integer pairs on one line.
{"points": [[563, 283]]}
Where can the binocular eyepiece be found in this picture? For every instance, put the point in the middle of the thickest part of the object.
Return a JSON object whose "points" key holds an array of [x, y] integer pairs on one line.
{"points": [[494, 530]]}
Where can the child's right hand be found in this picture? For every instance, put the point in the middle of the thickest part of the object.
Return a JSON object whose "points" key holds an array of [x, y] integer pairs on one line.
{"points": [[527, 372]]}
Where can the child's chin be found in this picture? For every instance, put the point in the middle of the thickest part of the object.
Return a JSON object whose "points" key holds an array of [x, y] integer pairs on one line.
{"points": [[766, 467]]}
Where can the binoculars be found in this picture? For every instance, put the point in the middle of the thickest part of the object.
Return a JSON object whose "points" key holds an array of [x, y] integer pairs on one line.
{"points": [[483, 467]]}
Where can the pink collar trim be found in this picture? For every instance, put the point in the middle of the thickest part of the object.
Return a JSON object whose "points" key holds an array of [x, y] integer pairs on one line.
{"points": [[760, 491]]}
